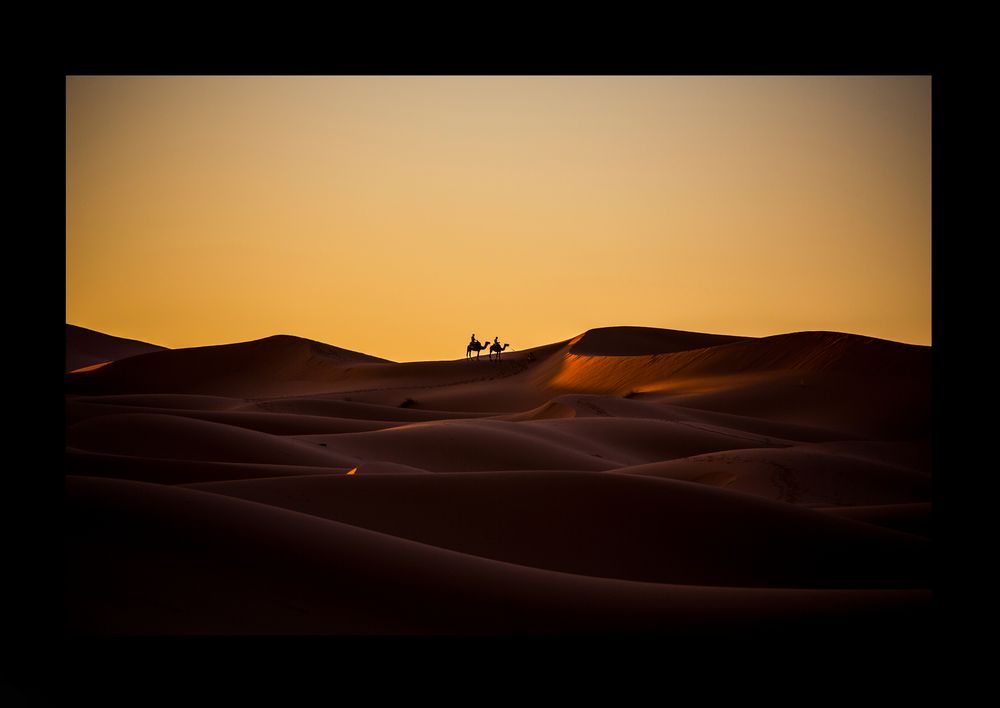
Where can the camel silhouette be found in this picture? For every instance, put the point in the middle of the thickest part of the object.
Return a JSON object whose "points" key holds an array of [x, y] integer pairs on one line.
{"points": [[474, 347], [497, 348]]}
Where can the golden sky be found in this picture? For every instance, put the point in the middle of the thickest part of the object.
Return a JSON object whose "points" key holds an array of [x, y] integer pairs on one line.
{"points": [[397, 215]]}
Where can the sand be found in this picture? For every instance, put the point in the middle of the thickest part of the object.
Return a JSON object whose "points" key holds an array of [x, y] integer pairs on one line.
{"points": [[88, 349], [627, 481]]}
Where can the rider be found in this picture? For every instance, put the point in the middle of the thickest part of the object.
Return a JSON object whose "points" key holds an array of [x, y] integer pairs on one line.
{"points": [[473, 340]]}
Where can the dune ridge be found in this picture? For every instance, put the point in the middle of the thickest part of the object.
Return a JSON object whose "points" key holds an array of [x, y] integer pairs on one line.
{"points": [[223, 369], [629, 480], [627, 527], [800, 352], [90, 348], [239, 567]]}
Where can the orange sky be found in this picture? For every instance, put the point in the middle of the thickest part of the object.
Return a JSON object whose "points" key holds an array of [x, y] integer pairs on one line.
{"points": [[397, 215]]}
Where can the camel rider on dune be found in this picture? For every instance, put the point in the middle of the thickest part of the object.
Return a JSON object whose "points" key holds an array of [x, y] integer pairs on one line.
{"points": [[473, 341]]}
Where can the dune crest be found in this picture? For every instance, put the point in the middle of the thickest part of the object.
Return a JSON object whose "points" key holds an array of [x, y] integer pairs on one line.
{"points": [[87, 348], [627, 480], [272, 364]]}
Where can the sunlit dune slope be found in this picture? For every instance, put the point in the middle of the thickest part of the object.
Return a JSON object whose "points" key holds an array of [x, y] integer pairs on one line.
{"points": [[844, 384], [801, 352]]}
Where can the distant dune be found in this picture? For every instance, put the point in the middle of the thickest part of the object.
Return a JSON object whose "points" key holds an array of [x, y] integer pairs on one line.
{"points": [[85, 347], [636, 341], [801, 352], [629, 480], [275, 363]]}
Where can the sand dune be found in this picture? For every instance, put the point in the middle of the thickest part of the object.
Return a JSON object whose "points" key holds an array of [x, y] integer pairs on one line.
{"points": [[86, 347], [173, 471], [176, 437], [341, 408], [166, 400], [798, 351], [910, 518], [802, 352], [628, 480], [274, 364], [590, 405], [858, 406], [634, 341], [632, 440], [915, 455], [849, 385], [617, 526], [799, 475], [458, 446], [274, 423], [239, 567], [579, 443]]}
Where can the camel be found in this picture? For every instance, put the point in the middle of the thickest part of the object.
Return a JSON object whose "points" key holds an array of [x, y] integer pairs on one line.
{"points": [[475, 347], [497, 348]]}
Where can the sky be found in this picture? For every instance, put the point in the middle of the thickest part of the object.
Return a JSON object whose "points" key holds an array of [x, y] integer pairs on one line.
{"points": [[398, 215]]}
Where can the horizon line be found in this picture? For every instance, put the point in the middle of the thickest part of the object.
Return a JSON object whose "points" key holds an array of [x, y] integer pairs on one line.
{"points": [[527, 348]]}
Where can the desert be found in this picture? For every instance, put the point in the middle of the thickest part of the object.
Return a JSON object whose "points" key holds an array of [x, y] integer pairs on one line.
{"points": [[628, 480]]}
